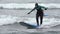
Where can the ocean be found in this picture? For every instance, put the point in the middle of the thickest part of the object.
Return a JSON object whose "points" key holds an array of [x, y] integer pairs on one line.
{"points": [[13, 13], [9, 21]]}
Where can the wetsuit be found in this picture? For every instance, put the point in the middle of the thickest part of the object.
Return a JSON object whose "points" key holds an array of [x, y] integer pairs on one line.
{"points": [[39, 13]]}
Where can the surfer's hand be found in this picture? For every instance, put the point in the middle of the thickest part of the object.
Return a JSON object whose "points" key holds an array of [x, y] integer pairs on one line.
{"points": [[28, 13], [46, 8]]}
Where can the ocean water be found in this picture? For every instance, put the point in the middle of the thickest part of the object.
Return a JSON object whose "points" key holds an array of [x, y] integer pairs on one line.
{"points": [[27, 5], [9, 21], [29, 1], [11, 15]]}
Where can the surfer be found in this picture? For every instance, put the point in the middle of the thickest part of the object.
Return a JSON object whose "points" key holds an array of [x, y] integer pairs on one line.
{"points": [[39, 13]]}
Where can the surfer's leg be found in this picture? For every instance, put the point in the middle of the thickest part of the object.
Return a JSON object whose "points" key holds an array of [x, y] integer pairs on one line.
{"points": [[37, 16], [41, 19]]}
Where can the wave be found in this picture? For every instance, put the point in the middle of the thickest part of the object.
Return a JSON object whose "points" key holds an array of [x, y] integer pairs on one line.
{"points": [[8, 19], [28, 5]]}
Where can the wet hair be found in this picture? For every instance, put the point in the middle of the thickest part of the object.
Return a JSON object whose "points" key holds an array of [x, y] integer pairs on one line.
{"points": [[36, 4]]}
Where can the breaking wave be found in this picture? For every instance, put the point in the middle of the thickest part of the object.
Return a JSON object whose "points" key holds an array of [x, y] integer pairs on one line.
{"points": [[27, 5]]}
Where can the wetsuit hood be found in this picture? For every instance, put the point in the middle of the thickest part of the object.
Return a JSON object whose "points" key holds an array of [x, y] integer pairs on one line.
{"points": [[36, 4]]}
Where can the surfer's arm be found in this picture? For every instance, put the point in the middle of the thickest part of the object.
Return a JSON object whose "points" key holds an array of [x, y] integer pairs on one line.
{"points": [[31, 10]]}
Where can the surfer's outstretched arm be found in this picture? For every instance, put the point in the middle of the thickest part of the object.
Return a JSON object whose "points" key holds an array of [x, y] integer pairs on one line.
{"points": [[31, 11]]}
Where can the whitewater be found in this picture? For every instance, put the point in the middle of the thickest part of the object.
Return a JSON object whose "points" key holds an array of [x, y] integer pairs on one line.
{"points": [[29, 5]]}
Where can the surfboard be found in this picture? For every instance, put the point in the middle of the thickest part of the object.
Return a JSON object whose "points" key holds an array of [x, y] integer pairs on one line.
{"points": [[34, 26], [29, 25]]}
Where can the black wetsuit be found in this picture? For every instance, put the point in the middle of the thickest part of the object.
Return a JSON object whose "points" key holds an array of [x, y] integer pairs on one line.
{"points": [[39, 13]]}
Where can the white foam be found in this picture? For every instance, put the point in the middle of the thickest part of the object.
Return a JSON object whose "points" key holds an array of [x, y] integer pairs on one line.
{"points": [[28, 5], [7, 19]]}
